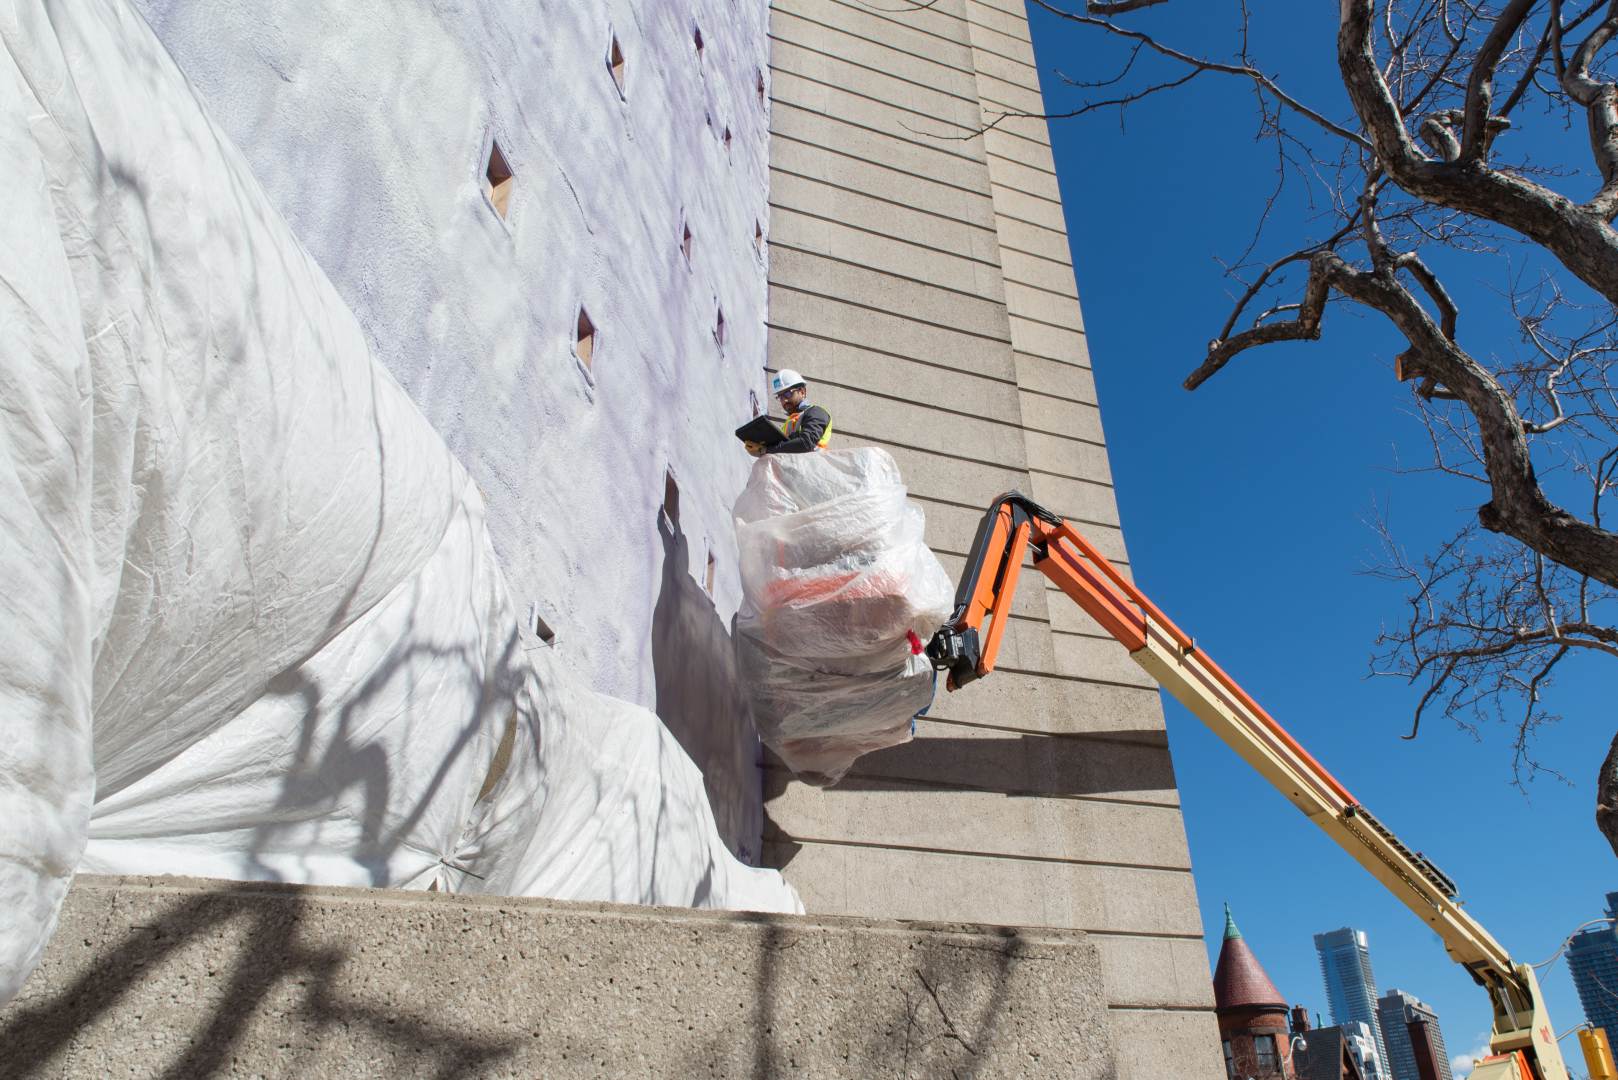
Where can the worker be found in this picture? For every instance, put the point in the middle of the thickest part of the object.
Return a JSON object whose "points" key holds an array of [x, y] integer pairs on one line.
{"points": [[808, 427]]}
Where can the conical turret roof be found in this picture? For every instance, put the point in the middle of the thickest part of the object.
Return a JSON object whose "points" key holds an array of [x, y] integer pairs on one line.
{"points": [[1239, 979]]}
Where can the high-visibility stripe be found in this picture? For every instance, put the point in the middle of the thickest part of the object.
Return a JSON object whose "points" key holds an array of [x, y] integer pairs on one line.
{"points": [[796, 420]]}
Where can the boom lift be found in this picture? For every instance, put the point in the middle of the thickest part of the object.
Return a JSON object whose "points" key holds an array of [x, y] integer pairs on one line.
{"points": [[1523, 1043]]}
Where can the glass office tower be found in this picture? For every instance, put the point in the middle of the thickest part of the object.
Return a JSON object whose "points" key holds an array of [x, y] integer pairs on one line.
{"points": [[1592, 957], [1345, 965]]}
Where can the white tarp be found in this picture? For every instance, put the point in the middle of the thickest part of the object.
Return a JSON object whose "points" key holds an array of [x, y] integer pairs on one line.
{"points": [[840, 590], [252, 623]]}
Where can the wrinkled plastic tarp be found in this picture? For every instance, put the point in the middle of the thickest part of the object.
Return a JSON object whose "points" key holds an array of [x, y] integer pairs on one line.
{"points": [[839, 587], [252, 623]]}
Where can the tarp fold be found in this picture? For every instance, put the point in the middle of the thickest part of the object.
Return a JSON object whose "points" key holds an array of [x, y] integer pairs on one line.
{"points": [[251, 622]]}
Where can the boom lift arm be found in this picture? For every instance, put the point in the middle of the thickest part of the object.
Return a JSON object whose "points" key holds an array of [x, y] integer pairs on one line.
{"points": [[1523, 1043]]}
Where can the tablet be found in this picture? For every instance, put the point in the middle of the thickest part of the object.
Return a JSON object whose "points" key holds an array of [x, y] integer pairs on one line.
{"points": [[760, 429]]}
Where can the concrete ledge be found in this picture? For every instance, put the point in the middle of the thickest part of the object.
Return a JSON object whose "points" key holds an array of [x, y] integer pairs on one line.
{"points": [[188, 978]]}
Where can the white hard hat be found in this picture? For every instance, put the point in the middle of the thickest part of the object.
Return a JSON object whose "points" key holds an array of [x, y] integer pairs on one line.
{"points": [[783, 380]]}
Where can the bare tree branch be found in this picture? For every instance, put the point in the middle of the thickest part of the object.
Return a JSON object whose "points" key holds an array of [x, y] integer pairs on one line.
{"points": [[1422, 176], [1581, 239], [1247, 72], [1480, 83], [1119, 7]]}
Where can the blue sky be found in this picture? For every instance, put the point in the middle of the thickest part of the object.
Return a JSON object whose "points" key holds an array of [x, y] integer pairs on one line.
{"points": [[1245, 508]]}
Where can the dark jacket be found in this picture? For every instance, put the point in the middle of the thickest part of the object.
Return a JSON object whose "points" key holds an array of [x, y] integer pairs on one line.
{"points": [[813, 423]]}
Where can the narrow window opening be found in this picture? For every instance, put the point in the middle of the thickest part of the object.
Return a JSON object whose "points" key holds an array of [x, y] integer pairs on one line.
{"points": [[696, 39], [536, 622], [752, 401], [726, 138], [759, 72], [719, 327], [584, 339], [1264, 1052], [708, 575], [616, 65], [671, 500], [758, 236], [498, 180], [686, 243]]}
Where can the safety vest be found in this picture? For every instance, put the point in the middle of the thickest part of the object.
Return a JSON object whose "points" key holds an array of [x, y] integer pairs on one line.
{"points": [[796, 419]]}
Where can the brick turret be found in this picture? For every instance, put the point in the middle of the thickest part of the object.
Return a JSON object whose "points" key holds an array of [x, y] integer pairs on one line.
{"points": [[1252, 1013]]}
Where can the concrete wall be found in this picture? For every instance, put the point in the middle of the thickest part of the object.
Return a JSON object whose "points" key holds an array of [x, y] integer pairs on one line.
{"points": [[188, 978], [369, 122], [921, 280]]}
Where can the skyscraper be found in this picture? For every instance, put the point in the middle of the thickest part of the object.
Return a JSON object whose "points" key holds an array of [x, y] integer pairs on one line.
{"points": [[1396, 1011], [1592, 957], [1345, 964]]}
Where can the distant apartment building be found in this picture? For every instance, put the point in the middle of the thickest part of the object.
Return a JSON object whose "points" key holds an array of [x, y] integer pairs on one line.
{"points": [[1592, 957], [1345, 965], [1398, 1012], [1363, 1043]]}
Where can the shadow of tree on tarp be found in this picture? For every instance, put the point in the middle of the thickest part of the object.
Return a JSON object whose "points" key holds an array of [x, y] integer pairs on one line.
{"points": [[700, 698]]}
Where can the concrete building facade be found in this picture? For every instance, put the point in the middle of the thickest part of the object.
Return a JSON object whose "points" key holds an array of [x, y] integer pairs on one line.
{"points": [[185, 978], [579, 234], [920, 277]]}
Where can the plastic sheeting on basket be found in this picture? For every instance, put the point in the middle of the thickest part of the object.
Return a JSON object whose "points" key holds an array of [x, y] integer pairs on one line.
{"points": [[838, 586]]}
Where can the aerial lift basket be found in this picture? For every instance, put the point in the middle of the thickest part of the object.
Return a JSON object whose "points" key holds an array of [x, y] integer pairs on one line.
{"points": [[838, 588]]}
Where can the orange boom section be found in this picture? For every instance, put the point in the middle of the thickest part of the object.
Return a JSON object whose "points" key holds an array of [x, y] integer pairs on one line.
{"points": [[1015, 528]]}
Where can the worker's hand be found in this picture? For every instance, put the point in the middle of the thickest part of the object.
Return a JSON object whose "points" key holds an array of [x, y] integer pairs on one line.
{"points": [[754, 448]]}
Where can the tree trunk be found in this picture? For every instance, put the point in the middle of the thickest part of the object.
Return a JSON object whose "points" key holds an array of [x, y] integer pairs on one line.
{"points": [[1607, 797]]}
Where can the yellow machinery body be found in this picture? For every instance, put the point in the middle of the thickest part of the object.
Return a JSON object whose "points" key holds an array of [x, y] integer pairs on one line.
{"points": [[1597, 1054]]}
